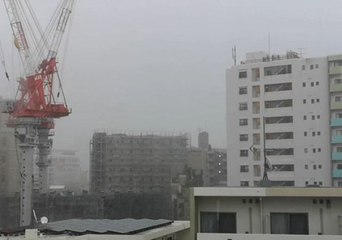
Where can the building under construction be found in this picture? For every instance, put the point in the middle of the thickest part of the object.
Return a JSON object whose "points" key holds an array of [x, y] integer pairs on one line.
{"points": [[135, 163]]}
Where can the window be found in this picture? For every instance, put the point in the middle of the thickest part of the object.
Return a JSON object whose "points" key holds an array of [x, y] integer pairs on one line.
{"points": [[244, 153], [338, 81], [304, 101], [312, 84], [256, 155], [277, 120], [316, 65], [338, 149], [319, 149], [213, 222], [279, 135], [306, 166], [304, 117], [314, 150], [243, 137], [314, 167], [279, 151], [278, 103], [278, 70], [256, 123], [305, 134], [320, 166], [303, 67], [243, 122], [311, 67], [244, 183], [244, 168], [242, 90], [283, 167], [256, 74], [318, 116], [312, 100], [338, 115], [256, 107], [243, 74], [278, 87], [243, 106], [317, 99], [318, 133], [338, 98], [317, 83], [304, 84], [339, 166], [313, 134], [313, 117], [289, 223]]}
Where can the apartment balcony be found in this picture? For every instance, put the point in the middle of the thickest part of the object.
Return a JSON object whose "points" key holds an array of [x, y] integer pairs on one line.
{"points": [[336, 139], [335, 105], [336, 122], [276, 95], [333, 70], [337, 156], [337, 173], [336, 87]]}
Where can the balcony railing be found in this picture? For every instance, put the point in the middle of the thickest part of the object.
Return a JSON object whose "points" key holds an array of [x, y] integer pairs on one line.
{"points": [[335, 70], [336, 122], [336, 87], [337, 156], [335, 105], [337, 173], [336, 139]]}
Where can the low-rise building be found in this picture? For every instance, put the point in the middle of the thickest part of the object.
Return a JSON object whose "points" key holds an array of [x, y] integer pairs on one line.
{"points": [[266, 213]]}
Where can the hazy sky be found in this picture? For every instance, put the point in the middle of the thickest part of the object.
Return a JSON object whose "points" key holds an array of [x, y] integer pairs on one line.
{"points": [[159, 65]]}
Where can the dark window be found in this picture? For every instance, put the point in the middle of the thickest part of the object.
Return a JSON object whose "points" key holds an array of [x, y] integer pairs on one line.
{"points": [[304, 101], [304, 84], [244, 153], [243, 137], [278, 87], [311, 67], [283, 167], [243, 106], [304, 117], [212, 222], [289, 223], [312, 84], [243, 74], [278, 70], [312, 100], [244, 168], [317, 83], [305, 134], [279, 151], [303, 67], [242, 90], [279, 135], [275, 120], [278, 103], [243, 122], [244, 183]]}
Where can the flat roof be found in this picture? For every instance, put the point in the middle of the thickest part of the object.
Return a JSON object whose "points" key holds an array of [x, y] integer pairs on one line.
{"points": [[267, 192]]}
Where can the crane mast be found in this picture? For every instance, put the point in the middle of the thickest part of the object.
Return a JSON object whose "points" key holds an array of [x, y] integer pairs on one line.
{"points": [[37, 103]]}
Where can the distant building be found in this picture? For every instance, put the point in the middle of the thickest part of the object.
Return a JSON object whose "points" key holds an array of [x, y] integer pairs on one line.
{"points": [[9, 170], [137, 163], [203, 140], [266, 213], [65, 170], [299, 102], [215, 172]]}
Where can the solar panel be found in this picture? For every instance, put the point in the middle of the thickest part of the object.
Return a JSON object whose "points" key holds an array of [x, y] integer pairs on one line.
{"points": [[104, 226]]}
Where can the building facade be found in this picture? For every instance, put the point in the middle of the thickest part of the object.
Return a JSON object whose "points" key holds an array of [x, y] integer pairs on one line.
{"points": [[65, 170], [139, 163], [266, 213], [9, 170], [285, 99]]}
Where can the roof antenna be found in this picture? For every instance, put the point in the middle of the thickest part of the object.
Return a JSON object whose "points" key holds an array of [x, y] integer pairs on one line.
{"points": [[234, 54], [269, 44]]}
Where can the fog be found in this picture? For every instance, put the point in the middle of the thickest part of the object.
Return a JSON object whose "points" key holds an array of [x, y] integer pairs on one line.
{"points": [[159, 65]]}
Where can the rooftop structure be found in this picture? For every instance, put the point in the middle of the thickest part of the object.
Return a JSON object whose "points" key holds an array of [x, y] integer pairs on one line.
{"points": [[266, 213]]}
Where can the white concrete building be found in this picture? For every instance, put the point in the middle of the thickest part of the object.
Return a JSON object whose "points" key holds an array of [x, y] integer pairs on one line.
{"points": [[291, 94], [266, 213]]}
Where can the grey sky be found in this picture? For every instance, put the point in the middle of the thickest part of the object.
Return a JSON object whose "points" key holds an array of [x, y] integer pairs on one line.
{"points": [[158, 65]]}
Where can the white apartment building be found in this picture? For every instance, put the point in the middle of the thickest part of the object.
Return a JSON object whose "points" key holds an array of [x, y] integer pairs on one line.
{"points": [[277, 213], [300, 101]]}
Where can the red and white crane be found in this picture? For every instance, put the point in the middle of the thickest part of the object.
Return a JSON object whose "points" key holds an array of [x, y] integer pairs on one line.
{"points": [[40, 97]]}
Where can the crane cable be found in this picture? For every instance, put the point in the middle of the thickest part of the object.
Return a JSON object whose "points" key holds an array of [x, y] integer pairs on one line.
{"points": [[3, 61]]}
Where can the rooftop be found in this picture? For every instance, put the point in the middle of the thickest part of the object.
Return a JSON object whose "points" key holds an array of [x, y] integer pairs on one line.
{"points": [[267, 192]]}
